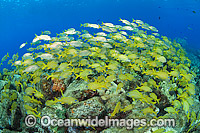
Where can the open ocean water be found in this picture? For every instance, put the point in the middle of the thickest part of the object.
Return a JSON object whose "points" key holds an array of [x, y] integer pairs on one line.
{"points": [[20, 20]]}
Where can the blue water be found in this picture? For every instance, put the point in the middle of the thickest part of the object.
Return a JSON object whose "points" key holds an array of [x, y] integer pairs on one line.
{"points": [[20, 20]]}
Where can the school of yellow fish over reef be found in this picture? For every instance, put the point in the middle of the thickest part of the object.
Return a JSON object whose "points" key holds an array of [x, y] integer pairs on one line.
{"points": [[114, 55]]}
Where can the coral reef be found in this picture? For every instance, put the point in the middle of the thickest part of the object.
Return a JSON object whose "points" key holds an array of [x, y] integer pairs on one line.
{"points": [[126, 71], [91, 107]]}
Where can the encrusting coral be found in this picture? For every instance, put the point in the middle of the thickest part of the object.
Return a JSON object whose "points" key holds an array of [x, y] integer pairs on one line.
{"points": [[58, 85]]}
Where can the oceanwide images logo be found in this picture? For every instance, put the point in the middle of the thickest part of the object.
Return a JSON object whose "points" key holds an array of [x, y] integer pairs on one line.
{"points": [[46, 121]]}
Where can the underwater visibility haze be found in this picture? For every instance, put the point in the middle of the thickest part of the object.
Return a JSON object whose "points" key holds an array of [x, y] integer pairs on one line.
{"points": [[100, 59]]}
